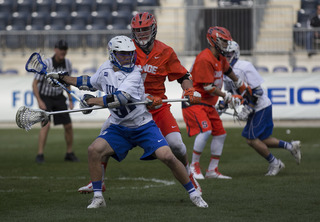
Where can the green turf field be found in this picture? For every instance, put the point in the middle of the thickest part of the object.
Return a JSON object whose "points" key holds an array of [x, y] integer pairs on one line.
{"points": [[146, 191]]}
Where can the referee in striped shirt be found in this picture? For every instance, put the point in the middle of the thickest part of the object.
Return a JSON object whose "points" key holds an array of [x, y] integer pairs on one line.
{"points": [[52, 99]]}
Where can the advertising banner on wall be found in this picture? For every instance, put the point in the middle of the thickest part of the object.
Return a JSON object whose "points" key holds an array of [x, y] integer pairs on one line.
{"points": [[294, 96]]}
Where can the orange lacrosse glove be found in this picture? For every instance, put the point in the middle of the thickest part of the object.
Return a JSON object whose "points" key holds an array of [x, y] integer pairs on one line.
{"points": [[192, 95], [154, 102]]}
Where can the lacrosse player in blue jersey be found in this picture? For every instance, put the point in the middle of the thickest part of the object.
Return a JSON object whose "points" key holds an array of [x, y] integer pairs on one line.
{"points": [[130, 125], [257, 111]]}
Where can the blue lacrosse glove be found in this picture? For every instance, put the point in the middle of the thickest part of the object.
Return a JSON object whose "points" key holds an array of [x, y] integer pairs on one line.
{"points": [[221, 107]]}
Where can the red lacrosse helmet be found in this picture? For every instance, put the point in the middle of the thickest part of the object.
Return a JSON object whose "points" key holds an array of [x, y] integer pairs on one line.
{"points": [[219, 38], [144, 29]]}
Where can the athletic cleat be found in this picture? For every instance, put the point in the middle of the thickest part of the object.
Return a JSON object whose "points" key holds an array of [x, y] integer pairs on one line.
{"points": [[195, 183], [97, 202], [89, 189], [274, 169], [295, 151], [198, 201], [195, 169], [71, 157], [216, 174], [40, 158]]}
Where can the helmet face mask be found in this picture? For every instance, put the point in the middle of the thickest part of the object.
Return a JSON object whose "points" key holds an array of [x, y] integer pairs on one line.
{"points": [[144, 29], [219, 38], [122, 53], [233, 52], [142, 35]]}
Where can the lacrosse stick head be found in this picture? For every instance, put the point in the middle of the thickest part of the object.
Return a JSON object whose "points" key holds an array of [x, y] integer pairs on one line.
{"points": [[35, 64], [26, 117]]}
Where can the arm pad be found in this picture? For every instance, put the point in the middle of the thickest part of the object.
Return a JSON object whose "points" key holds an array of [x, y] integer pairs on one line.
{"points": [[83, 83], [209, 88], [186, 76]]}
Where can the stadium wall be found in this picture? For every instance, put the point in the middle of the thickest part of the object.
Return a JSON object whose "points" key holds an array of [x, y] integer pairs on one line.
{"points": [[294, 97]]}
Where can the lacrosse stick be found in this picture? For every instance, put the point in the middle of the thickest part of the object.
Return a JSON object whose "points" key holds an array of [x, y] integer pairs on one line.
{"points": [[26, 117], [35, 64]]}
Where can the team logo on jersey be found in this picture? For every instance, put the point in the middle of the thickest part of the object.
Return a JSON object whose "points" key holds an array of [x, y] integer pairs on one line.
{"points": [[204, 124], [105, 73], [150, 69]]}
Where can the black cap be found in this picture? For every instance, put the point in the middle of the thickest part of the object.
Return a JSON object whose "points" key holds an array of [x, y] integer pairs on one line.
{"points": [[61, 44]]}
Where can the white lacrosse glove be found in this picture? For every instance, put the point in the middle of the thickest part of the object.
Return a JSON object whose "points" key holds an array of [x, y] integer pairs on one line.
{"points": [[236, 101], [233, 101], [57, 76], [227, 98], [245, 112], [84, 104]]}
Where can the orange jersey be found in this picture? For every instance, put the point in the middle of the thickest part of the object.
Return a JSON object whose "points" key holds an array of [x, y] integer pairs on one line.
{"points": [[208, 69], [161, 62]]}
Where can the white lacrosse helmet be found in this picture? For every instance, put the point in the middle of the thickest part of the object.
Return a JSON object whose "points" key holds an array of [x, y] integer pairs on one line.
{"points": [[122, 53], [233, 52]]}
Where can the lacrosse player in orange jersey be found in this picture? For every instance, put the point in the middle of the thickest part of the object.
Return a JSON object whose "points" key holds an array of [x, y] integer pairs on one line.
{"points": [[159, 62], [203, 119]]}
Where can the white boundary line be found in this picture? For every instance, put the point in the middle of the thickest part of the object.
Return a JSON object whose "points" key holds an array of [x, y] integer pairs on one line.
{"points": [[153, 182]]}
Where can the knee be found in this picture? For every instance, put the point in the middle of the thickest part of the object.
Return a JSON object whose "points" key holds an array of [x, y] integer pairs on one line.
{"points": [[167, 157], [68, 127], [92, 150], [177, 147], [250, 142]]}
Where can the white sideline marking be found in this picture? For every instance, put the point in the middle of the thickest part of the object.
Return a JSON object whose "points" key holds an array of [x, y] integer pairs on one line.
{"points": [[157, 182]]}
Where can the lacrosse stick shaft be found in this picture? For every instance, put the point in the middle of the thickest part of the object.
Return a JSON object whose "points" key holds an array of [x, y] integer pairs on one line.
{"points": [[129, 104], [66, 89]]}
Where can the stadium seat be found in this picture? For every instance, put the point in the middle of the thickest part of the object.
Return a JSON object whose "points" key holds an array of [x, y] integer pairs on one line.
{"points": [[280, 69], [95, 40], [127, 6], [44, 6], [299, 69], [141, 3], [104, 5], [303, 16], [75, 40], [60, 18], [80, 18], [64, 6], [309, 4], [26, 6], [7, 6], [5, 20], [316, 69], [34, 41], [100, 18], [40, 19], [20, 19], [86, 6], [120, 20], [262, 69]]}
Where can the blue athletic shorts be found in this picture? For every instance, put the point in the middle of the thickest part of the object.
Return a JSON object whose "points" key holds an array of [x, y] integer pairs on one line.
{"points": [[123, 139], [259, 125]]}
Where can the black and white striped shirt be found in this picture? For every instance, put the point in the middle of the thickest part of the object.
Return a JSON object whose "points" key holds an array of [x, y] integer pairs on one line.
{"points": [[44, 87]]}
